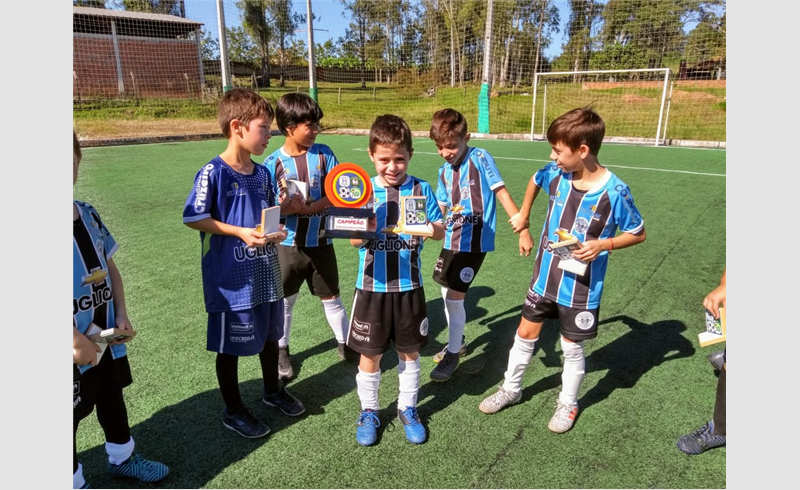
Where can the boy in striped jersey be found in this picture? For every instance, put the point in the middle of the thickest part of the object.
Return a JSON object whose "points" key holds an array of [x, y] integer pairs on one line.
{"points": [[468, 187], [588, 201], [98, 299], [389, 302], [305, 257]]}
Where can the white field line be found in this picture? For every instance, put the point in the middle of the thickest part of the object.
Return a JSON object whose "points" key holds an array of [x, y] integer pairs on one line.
{"points": [[610, 166]]}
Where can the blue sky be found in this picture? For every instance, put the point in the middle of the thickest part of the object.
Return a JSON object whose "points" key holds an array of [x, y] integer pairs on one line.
{"points": [[331, 23]]}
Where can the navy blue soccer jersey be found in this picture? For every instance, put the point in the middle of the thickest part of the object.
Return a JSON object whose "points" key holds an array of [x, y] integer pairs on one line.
{"points": [[391, 263], [235, 276], [467, 190], [592, 215], [311, 168], [92, 300]]}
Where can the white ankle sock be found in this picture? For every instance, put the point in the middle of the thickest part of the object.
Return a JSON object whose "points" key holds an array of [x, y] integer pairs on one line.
{"points": [[337, 318], [119, 453], [574, 371], [368, 384], [77, 478], [456, 319], [288, 307], [408, 374], [518, 359]]}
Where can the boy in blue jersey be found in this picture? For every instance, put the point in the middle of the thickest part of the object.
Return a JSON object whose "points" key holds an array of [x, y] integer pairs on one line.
{"points": [[305, 257], [468, 187], [98, 299], [241, 275], [588, 201], [389, 302]]}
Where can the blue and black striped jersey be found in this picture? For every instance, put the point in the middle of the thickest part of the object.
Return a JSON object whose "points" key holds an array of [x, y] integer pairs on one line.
{"points": [[235, 276], [467, 190], [92, 299], [391, 263], [588, 215], [312, 168]]}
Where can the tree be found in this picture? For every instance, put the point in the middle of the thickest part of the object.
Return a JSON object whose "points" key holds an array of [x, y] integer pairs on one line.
{"points": [[285, 24], [254, 20], [168, 7], [209, 46], [357, 34], [98, 4], [241, 47], [584, 16]]}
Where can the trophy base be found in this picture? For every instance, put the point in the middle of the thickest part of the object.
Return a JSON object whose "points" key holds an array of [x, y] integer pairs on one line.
{"points": [[349, 223]]}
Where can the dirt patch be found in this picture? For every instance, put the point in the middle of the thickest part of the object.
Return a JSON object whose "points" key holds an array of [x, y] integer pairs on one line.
{"points": [[126, 128], [634, 99], [684, 95]]}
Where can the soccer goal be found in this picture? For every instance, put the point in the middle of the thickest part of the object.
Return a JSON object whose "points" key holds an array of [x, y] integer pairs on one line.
{"points": [[633, 103]]}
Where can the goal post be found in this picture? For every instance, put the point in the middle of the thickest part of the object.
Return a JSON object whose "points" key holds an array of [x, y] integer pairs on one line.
{"points": [[631, 102]]}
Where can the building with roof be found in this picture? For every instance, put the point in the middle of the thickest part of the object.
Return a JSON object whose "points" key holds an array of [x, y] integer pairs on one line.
{"points": [[117, 53]]}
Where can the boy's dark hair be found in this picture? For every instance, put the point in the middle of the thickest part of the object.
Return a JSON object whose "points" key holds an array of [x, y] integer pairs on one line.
{"points": [[581, 126], [390, 131], [242, 104], [448, 125], [76, 145], [294, 109]]}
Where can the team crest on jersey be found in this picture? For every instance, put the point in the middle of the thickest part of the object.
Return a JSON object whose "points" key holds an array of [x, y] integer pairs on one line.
{"points": [[98, 245], [76, 388], [584, 320], [581, 225], [315, 182], [464, 193], [423, 327]]}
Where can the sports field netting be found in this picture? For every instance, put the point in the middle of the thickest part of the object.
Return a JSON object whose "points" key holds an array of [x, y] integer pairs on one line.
{"points": [[647, 382]]}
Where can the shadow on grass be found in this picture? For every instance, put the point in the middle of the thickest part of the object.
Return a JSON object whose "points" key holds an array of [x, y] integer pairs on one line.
{"points": [[625, 360], [189, 436]]}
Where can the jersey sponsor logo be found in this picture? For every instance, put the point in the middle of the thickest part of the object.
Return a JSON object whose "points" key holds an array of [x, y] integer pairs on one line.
{"points": [[460, 219], [250, 253], [584, 320], [242, 328], [96, 277], [467, 274], [361, 327], [235, 190], [202, 189], [88, 302], [392, 245], [423, 327], [241, 339]]}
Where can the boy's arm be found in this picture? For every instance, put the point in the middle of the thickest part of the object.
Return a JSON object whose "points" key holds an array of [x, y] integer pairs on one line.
{"points": [[592, 248], [717, 296], [316, 206], [508, 204], [118, 292], [521, 220], [248, 235]]}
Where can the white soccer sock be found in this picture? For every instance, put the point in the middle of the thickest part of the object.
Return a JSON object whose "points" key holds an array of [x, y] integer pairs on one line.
{"points": [[444, 300], [77, 478], [337, 318], [119, 453], [408, 373], [574, 371], [456, 319], [368, 384], [518, 359], [288, 307]]}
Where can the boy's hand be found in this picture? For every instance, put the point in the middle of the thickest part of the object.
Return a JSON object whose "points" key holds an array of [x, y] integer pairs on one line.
{"points": [[278, 236], [292, 205], [84, 351], [252, 237], [589, 251], [519, 223], [525, 243], [123, 323], [714, 299]]}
